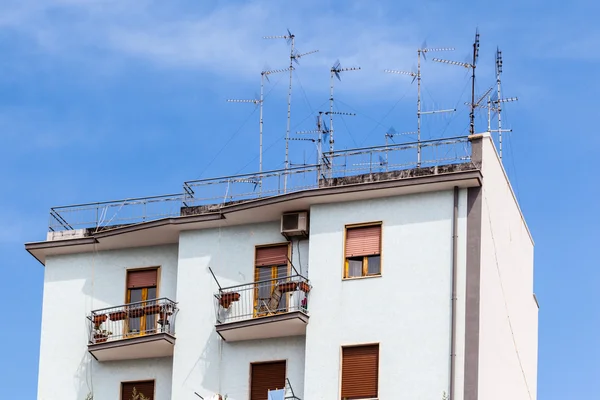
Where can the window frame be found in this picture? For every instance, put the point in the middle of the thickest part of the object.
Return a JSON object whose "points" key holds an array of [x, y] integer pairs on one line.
{"points": [[274, 275], [253, 363], [341, 367], [365, 261], [145, 298], [138, 381]]}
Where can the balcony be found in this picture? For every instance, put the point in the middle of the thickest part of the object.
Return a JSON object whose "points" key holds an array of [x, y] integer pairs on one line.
{"points": [[144, 329], [264, 309]]}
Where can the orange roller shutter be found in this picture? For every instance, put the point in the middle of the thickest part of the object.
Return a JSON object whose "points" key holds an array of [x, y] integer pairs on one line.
{"points": [[363, 241], [272, 255], [143, 278], [265, 377], [360, 372]]}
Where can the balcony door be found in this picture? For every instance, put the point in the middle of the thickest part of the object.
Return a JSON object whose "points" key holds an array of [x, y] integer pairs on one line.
{"points": [[271, 269], [142, 290]]}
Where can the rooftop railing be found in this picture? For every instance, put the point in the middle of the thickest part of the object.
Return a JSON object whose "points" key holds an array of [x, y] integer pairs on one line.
{"points": [[210, 194]]}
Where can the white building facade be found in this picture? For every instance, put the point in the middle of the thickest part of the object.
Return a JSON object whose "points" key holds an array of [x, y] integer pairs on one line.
{"points": [[409, 286]]}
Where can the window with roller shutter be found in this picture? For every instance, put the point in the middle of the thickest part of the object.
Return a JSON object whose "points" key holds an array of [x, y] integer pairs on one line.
{"points": [[264, 377], [360, 372], [142, 388], [362, 251]]}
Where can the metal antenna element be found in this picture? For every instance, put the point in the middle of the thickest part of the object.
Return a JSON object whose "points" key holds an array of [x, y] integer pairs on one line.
{"points": [[417, 75], [498, 102], [294, 57], [322, 131], [336, 69], [472, 67], [263, 75]]}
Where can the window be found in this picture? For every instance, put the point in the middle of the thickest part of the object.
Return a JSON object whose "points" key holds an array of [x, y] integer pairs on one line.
{"points": [[363, 251], [271, 268], [143, 390], [264, 377], [142, 287], [360, 372]]}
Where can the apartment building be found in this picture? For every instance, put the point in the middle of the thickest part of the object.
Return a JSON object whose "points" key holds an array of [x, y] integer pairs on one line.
{"points": [[393, 283]]}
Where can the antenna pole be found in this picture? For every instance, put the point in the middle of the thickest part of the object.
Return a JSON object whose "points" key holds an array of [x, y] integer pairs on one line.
{"points": [[498, 79], [418, 108], [260, 134], [331, 111], [473, 65], [489, 107], [289, 115]]}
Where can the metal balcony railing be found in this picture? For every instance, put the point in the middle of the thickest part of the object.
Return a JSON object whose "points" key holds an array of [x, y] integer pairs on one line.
{"points": [[131, 320], [262, 299]]}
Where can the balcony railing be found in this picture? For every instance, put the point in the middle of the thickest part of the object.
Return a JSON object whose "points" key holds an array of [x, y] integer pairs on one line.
{"points": [[263, 309], [133, 320], [262, 299]]}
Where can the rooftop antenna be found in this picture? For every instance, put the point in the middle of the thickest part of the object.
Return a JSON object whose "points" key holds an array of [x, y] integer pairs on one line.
{"points": [[263, 75], [472, 67], [390, 134], [498, 102], [417, 76], [294, 57], [322, 131], [335, 71]]}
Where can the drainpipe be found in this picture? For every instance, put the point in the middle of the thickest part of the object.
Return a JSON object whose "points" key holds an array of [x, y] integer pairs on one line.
{"points": [[453, 300]]}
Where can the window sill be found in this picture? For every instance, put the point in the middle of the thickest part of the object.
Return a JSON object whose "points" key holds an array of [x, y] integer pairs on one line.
{"points": [[357, 278]]}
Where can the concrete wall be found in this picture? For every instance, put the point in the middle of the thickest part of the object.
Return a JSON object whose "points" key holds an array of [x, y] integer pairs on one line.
{"points": [[73, 286], [203, 363], [508, 312], [406, 310]]}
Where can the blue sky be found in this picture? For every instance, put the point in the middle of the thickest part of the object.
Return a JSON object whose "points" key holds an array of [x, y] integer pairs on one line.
{"points": [[107, 99]]}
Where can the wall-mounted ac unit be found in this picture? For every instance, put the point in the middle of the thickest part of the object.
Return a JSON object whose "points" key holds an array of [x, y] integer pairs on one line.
{"points": [[294, 224]]}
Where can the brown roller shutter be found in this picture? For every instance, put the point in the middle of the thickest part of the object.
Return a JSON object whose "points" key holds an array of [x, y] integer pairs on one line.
{"points": [[141, 279], [265, 377], [146, 388], [272, 255], [360, 372], [363, 241]]}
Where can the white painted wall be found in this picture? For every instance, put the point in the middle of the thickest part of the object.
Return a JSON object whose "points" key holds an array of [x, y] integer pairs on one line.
{"points": [[203, 363], [73, 286], [407, 310], [507, 357]]}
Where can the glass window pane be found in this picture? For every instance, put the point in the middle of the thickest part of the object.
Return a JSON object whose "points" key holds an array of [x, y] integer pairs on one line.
{"points": [[374, 265], [151, 293], [355, 267], [135, 295]]}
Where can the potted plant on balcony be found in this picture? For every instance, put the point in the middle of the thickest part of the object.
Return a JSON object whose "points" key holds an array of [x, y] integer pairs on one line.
{"points": [[227, 298], [166, 310], [117, 315], [305, 287], [101, 335], [285, 287], [135, 312], [98, 320], [152, 309]]}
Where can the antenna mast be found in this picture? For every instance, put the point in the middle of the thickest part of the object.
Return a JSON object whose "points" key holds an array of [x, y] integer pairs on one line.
{"points": [[294, 56], [263, 75], [470, 66], [335, 71], [498, 102], [421, 51]]}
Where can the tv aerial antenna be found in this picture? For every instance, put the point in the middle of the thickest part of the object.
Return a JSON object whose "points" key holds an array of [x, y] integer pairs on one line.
{"points": [[321, 132], [294, 57], [422, 51], [389, 135], [498, 102], [471, 66], [264, 75], [335, 72]]}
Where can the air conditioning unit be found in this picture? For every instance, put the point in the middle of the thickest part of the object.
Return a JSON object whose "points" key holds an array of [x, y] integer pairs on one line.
{"points": [[294, 224]]}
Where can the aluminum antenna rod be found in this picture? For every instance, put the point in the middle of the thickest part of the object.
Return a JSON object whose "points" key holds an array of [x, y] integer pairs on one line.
{"points": [[472, 67], [421, 51], [498, 102], [260, 101], [335, 73], [294, 56]]}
